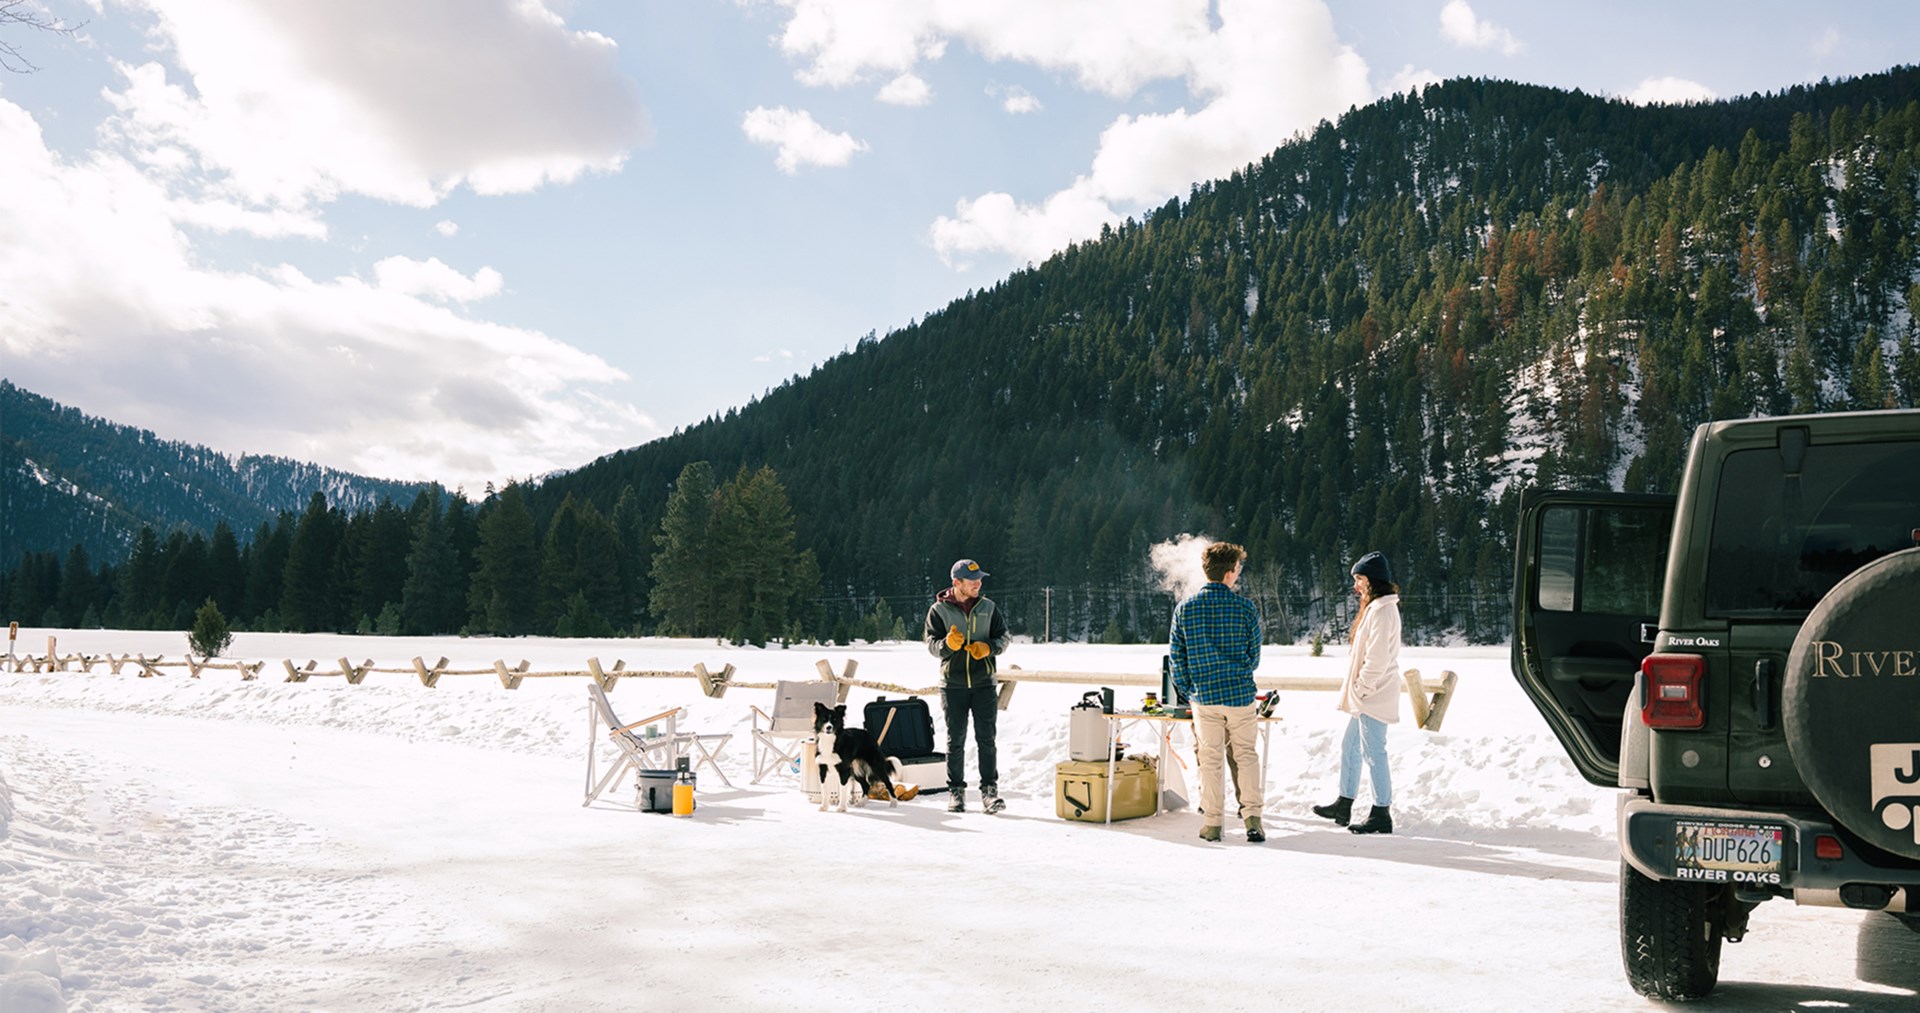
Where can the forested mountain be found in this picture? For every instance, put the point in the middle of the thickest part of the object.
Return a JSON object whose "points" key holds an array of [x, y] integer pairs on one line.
{"points": [[1370, 339], [69, 478]]}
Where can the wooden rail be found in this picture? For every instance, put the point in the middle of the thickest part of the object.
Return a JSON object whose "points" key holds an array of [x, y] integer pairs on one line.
{"points": [[1429, 697]]}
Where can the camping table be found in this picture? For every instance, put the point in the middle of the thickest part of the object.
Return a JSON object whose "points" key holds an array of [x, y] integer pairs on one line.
{"points": [[1118, 720]]}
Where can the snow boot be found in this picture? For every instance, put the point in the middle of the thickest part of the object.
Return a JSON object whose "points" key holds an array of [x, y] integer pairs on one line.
{"points": [[1255, 832], [1210, 834], [990, 801], [1340, 811], [956, 800], [1379, 821]]}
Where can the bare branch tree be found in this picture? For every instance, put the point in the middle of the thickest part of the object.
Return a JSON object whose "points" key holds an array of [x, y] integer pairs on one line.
{"points": [[26, 14]]}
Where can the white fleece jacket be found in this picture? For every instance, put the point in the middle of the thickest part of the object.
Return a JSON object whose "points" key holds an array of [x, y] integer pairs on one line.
{"points": [[1372, 686]]}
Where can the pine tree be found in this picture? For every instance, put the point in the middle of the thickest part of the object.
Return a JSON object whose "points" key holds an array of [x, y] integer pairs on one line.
{"points": [[210, 636], [683, 573], [504, 595], [430, 601], [226, 578], [140, 588], [308, 592], [76, 587]]}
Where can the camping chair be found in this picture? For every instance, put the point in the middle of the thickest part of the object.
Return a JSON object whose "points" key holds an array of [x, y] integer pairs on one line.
{"points": [[704, 749], [777, 737], [638, 751]]}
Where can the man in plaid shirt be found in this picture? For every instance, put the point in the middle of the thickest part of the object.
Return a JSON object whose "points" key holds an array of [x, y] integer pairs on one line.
{"points": [[1214, 649]]}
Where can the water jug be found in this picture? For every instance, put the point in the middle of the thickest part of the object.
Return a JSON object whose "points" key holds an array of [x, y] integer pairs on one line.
{"points": [[683, 790]]}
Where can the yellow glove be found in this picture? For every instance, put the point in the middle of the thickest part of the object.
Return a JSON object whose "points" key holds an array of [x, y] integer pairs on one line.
{"points": [[955, 638], [979, 650]]}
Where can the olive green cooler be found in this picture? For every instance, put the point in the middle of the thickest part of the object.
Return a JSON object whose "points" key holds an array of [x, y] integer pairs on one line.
{"points": [[1080, 789]]}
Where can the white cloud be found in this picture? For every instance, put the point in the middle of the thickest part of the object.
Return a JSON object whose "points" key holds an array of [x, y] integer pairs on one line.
{"points": [[782, 355], [906, 90], [1270, 69], [1827, 42], [996, 223], [799, 139], [1112, 48], [1408, 79], [447, 228], [1460, 26], [434, 280], [291, 103], [1669, 91], [121, 316], [1015, 99]]}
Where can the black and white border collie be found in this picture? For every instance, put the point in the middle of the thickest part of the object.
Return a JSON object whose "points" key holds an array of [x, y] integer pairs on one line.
{"points": [[850, 760]]}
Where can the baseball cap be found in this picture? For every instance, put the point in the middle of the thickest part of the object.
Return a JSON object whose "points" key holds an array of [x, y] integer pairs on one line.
{"points": [[967, 569]]}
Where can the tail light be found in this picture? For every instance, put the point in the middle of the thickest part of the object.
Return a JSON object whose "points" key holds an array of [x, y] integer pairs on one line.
{"points": [[1827, 848], [1673, 688]]}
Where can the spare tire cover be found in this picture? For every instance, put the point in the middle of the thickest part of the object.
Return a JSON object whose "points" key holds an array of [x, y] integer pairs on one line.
{"points": [[1852, 702]]}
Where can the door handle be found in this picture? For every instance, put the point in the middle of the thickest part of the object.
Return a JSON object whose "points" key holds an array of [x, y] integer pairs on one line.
{"points": [[1763, 693]]}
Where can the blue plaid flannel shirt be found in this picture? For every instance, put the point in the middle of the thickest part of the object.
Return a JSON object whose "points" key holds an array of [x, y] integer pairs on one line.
{"points": [[1215, 646]]}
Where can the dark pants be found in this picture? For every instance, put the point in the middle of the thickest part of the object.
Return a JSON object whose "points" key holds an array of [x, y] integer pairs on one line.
{"points": [[982, 702]]}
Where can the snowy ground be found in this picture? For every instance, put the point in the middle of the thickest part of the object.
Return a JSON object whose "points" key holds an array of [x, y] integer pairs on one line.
{"points": [[212, 844]]}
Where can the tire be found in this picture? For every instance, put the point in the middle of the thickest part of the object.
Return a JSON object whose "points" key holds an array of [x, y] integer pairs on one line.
{"points": [[1669, 936], [1849, 699]]}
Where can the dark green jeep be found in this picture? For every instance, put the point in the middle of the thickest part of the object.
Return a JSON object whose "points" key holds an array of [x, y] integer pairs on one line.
{"points": [[1744, 660]]}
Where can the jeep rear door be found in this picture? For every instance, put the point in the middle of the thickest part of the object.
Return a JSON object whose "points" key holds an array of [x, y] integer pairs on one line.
{"points": [[1588, 570]]}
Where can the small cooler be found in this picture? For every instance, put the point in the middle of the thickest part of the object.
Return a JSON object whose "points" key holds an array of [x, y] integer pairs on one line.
{"points": [[1080, 789]]}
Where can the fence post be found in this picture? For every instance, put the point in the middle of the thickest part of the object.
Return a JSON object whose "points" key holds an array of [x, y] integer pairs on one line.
{"points": [[826, 672], [713, 684], [430, 679], [1441, 697], [510, 680], [299, 675], [606, 681]]}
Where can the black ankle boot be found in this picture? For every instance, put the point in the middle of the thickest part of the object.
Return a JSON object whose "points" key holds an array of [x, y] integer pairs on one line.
{"points": [[1379, 821], [1340, 811]]}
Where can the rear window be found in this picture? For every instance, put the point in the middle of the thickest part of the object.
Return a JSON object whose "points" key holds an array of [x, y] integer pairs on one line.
{"points": [[1607, 560], [1781, 541]]}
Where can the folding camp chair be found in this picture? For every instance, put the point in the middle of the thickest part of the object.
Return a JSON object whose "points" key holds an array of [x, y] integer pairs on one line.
{"points": [[777, 737], [638, 751], [704, 749]]}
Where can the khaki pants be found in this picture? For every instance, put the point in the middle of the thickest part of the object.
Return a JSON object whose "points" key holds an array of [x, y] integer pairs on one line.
{"points": [[1232, 731]]}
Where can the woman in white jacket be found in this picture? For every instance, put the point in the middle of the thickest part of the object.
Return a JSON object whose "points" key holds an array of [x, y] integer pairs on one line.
{"points": [[1371, 693]]}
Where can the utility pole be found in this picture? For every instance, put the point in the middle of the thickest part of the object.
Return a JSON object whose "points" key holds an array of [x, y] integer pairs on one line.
{"points": [[1047, 636]]}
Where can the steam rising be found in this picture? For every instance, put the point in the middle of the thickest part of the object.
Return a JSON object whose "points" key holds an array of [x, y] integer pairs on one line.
{"points": [[1177, 561]]}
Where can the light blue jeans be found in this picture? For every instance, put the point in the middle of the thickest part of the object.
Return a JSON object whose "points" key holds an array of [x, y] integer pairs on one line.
{"points": [[1366, 738]]}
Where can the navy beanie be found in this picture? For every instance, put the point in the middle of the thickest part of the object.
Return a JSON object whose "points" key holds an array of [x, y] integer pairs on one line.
{"points": [[1373, 566]]}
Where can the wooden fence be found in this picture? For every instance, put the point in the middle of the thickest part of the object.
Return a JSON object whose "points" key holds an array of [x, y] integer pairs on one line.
{"points": [[1429, 698]]}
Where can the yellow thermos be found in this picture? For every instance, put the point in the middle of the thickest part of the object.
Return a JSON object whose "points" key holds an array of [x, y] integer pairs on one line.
{"points": [[683, 790]]}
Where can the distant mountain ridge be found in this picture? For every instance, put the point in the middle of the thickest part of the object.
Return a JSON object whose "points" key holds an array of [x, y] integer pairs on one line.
{"points": [[1371, 338], [67, 477]]}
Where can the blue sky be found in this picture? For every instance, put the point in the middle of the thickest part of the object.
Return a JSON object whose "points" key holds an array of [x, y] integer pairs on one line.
{"points": [[468, 240]]}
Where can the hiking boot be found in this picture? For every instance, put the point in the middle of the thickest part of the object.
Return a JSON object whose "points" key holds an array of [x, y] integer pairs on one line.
{"points": [[1210, 834], [1255, 832], [1340, 811], [990, 801], [1379, 821], [956, 800]]}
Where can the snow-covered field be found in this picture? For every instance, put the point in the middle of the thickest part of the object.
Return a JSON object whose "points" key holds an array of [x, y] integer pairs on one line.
{"points": [[212, 844]]}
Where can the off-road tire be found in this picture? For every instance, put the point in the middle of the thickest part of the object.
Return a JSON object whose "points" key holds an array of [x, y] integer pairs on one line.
{"points": [[1841, 711], [1669, 938]]}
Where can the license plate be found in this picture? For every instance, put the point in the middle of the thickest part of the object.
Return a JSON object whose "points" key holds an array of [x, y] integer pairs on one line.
{"points": [[1738, 848]]}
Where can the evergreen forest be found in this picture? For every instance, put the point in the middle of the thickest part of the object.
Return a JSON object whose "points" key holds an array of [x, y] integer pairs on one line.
{"points": [[1372, 338]]}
